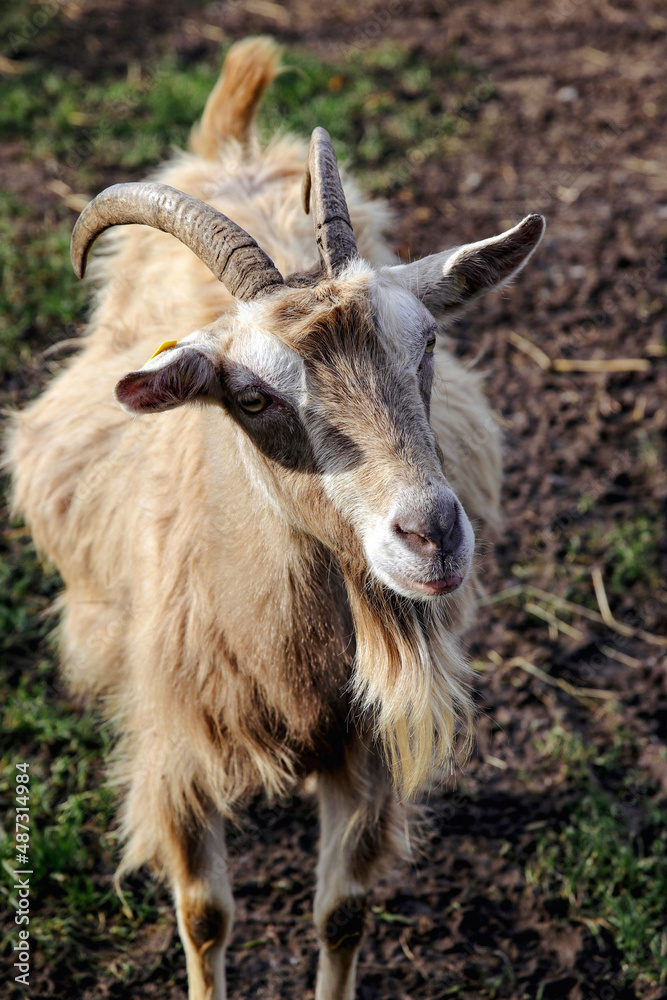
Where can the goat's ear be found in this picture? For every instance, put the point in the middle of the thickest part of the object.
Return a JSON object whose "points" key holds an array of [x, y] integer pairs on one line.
{"points": [[446, 282], [174, 375]]}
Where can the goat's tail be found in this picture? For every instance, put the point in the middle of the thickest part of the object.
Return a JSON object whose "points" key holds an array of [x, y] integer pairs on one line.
{"points": [[248, 70]]}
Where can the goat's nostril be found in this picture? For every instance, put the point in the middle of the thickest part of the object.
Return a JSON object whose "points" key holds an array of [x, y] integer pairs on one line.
{"points": [[417, 536], [426, 537]]}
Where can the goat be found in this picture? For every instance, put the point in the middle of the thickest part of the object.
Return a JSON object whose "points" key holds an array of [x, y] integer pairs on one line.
{"points": [[266, 548]]}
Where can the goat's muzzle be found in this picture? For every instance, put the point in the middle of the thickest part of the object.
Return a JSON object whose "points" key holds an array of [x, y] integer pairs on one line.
{"points": [[424, 547]]}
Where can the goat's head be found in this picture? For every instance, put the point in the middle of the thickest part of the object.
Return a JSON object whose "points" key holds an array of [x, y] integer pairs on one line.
{"points": [[327, 375]]}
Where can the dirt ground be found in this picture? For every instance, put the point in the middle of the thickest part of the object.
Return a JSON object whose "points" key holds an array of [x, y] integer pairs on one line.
{"points": [[568, 121]]}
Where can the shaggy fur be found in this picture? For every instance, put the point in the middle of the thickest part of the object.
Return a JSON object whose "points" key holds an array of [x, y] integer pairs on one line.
{"points": [[217, 602]]}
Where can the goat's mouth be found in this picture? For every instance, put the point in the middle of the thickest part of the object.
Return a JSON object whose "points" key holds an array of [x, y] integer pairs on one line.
{"points": [[433, 588], [424, 575], [411, 586]]}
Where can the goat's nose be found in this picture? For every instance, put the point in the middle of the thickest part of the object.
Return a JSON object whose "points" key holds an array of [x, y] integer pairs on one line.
{"points": [[427, 536]]}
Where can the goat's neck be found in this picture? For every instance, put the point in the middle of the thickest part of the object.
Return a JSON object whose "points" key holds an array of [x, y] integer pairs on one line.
{"points": [[287, 581]]}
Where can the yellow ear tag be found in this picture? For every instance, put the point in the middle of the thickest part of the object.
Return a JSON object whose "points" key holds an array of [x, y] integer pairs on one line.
{"points": [[168, 344]]}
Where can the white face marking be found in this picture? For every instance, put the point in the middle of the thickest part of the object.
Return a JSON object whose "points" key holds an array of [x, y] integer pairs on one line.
{"points": [[260, 353], [200, 340], [404, 324]]}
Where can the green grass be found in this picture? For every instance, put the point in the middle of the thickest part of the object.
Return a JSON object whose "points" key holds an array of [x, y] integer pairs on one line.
{"points": [[384, 109], [127, 124], [72, 846], [631, 551], [40, 297], [609, 859], [628, 553]]}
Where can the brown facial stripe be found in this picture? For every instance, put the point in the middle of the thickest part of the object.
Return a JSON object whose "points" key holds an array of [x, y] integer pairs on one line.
{"points": [[343, 355], [279, 436], [366, 407]]}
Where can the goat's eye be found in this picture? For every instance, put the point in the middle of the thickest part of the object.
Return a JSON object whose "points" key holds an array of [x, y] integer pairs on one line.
{"points": [[430, 345], [254, 402]]}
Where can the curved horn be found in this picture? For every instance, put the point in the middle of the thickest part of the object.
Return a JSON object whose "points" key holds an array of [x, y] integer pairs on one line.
{"points": [[333, 229], [227, 250]]}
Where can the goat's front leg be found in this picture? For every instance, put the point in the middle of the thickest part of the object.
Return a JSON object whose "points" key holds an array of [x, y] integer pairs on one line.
{"points": [[361, 829], [204, 907]]}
